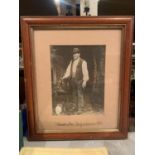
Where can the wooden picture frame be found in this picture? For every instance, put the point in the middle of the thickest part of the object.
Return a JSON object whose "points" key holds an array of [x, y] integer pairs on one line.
{"points": [[105, 115]]}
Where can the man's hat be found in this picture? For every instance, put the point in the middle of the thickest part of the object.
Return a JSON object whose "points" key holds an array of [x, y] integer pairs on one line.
{"points": [[76, 50]]}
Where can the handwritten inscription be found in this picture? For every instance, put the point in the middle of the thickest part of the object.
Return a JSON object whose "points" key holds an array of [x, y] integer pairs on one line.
{"points": [[78, 124]]}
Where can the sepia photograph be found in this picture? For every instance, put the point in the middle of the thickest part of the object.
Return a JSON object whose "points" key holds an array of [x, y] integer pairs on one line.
{"points": [[77, 74]]}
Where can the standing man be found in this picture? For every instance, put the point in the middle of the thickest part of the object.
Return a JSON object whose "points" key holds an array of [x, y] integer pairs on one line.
{"points": [[77, 74]]}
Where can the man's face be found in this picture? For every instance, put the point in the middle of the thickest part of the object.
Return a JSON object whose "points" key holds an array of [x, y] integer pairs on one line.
{"points": [[76, 56]]}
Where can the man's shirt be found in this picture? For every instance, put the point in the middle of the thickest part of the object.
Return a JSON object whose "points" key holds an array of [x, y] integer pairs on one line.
{"points": [[74, 66]]}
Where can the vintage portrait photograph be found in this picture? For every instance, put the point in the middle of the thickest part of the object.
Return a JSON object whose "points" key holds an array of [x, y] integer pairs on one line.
{"points": [[78, 86], [77, 79]]}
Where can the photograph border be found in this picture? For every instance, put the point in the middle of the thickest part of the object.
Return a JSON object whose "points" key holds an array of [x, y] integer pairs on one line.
{"points": [[28, 24]]}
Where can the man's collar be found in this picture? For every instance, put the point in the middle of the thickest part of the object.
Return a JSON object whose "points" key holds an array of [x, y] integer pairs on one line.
{"points": [[76, 59]]}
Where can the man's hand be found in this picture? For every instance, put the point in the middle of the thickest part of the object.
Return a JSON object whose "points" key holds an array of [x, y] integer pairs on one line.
{"points": [[63, 78], [83, 84]]}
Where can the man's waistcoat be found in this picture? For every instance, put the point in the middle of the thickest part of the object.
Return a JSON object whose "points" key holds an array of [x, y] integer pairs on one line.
{"points": [[78, 74]]}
